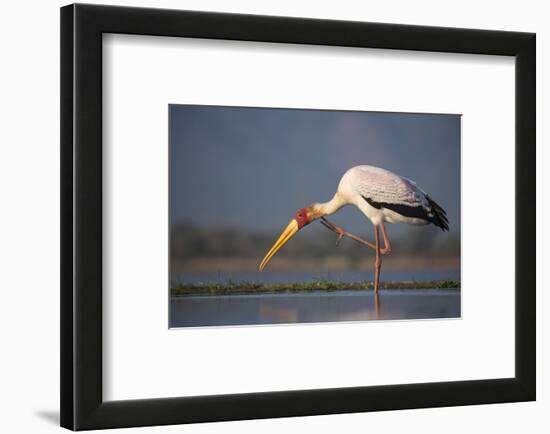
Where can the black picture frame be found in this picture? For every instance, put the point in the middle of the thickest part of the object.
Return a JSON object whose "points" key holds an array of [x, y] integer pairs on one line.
{"points": [[82, 405]]}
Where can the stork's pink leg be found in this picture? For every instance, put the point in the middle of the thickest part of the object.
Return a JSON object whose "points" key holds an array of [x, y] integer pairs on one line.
{"points": [[387, 246], [378, 262], [343, 233]]}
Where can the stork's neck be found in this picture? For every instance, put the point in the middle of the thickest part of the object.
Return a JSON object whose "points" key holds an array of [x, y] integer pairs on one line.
{"points": [[328, 208]]}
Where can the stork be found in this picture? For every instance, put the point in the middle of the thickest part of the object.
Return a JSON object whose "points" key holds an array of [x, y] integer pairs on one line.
{"points": [[382, 196]]}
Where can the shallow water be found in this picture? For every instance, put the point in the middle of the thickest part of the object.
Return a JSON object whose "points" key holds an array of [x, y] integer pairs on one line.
{"points": [[317, 306]]}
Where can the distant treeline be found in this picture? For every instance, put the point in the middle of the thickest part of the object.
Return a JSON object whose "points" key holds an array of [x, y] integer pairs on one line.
{"points": [[188, 242]]}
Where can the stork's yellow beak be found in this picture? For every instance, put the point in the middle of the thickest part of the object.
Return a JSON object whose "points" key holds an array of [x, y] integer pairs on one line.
{"points": [[287, 234]]}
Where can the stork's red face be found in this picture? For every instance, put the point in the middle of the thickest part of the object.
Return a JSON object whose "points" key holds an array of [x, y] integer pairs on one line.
{"points": [[302, 218]]}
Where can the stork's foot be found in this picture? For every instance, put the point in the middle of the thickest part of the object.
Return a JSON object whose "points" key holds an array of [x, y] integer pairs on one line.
{"points": [[337, 229]]}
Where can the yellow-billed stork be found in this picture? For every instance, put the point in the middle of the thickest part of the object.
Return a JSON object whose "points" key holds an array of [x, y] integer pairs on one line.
{"points": [[382, 196]]}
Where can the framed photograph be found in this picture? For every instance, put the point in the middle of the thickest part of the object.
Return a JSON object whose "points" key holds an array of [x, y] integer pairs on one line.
{"points": [[267, 217], [221, 223]]}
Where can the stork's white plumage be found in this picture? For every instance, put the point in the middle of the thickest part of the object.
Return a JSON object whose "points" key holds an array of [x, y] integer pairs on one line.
{"points": [[382, 196], [385, 197]]}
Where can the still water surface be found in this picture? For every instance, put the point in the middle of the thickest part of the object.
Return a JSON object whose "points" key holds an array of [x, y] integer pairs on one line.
{"points": [[317, 306]]}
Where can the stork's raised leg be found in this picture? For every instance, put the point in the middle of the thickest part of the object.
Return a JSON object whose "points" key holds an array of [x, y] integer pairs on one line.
{"points": [[386, 250], [343, 233], [387, 246]]}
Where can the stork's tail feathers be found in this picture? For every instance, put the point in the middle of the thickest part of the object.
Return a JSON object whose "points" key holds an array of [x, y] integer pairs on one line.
{"points": [[439, 217]]}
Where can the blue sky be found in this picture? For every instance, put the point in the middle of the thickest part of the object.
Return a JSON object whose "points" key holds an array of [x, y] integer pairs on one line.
{"points": [[254, 167]]}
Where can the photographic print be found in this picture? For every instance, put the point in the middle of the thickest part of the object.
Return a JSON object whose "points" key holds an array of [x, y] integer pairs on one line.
{"points": [[284, 216]]}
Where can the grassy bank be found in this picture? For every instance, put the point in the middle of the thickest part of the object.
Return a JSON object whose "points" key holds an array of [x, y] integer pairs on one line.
{"points": [[229, 288]]}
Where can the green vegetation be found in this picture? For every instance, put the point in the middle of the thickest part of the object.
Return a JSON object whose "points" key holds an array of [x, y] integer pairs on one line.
{"points": [[229, 288]]}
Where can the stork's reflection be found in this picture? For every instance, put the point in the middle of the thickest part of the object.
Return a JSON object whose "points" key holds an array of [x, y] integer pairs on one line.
{"points": [[270, 312]]}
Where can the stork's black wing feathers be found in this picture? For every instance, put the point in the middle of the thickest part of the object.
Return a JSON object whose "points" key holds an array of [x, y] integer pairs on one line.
{"points": [[439, 215], [433, 213]]}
